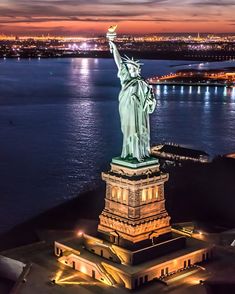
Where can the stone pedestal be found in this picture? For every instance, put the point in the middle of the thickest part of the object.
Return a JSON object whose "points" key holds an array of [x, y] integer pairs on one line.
{"points": [[134, 203], [134, 243]]}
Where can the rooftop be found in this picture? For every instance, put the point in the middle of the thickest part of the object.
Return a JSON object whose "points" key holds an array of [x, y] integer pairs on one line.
{"points": [[182, 151]]}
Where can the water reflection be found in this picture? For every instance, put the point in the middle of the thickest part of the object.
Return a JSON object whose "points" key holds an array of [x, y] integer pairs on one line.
{"points": [[233, 93], [80, 77], [165, 90], [206, 98], [229, 92], [158, 90], [84, 70], [205, 92], [225, 91], [208, 94], [82, 116]]}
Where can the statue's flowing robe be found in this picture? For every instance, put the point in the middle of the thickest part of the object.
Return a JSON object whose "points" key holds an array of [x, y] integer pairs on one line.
{"points": [[136, 102]]}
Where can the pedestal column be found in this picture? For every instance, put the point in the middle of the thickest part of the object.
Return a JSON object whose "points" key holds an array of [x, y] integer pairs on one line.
{"points": [[134, 203]]}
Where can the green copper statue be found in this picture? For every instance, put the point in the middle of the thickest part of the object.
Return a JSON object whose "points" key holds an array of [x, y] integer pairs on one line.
{"points": [[136, 102]]}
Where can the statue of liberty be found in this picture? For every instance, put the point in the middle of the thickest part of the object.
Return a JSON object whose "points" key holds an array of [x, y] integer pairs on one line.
{"points": [[136, 102]]}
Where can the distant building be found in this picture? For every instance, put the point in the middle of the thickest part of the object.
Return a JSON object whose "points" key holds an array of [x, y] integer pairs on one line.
{"points": [[230, 155], [178, 153]]}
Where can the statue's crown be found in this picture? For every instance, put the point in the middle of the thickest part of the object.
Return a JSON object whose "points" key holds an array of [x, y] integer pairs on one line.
{"points": [[132, 61]]}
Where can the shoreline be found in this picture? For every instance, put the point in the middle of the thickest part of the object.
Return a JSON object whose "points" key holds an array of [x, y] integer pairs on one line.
{"points": [[154, 55]]}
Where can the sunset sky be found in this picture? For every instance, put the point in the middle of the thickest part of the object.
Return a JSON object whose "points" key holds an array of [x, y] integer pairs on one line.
{"points": [[74, 17]]}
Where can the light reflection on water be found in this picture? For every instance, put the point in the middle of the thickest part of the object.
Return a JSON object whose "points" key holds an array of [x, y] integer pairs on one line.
{"points": [[233, 93], [190, 89], [203, 115], [59, 127]]}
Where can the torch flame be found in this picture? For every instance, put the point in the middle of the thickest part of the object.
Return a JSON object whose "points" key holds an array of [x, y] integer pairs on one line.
{"points": [[112, 29]]}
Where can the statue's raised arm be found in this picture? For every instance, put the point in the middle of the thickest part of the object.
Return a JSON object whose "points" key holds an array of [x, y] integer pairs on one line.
{"points": [[136, 102], [116, 54], [111, 35]]}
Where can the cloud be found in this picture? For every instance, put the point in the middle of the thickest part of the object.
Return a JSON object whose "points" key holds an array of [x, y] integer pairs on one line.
{"points": [[100, 19], [50, 9], [69, 12], [65, 10], [222, 3], [92, 2]]}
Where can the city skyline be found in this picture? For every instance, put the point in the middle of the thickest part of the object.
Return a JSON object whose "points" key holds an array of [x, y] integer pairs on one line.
{"points": [[71, 17]]}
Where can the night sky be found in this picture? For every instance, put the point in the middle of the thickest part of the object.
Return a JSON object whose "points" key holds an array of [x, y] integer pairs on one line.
{"points": [[73, 17]]}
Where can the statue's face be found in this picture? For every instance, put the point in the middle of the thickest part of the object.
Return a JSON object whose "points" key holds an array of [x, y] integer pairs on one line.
{"points": [[133, 70]]}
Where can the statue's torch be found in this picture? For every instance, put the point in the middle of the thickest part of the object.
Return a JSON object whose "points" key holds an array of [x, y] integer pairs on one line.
{"points": [[111, 34]]}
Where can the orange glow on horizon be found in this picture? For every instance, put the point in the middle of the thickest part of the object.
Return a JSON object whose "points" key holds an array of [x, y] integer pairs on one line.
{"points": [[65, 28]]}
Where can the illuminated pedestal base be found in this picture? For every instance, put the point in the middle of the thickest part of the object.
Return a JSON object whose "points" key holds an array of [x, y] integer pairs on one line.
{"points": [[113, 265], [134, 242]]}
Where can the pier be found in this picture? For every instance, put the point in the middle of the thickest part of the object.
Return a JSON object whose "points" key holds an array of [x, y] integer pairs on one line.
{"points": [[196, 78]]}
